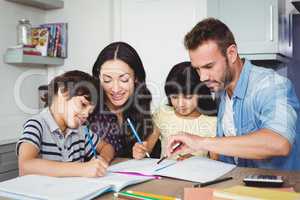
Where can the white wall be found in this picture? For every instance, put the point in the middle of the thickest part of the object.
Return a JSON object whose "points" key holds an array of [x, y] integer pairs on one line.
{"points": [[12, 115], [89, 26], [156, 29], [89, 31]]}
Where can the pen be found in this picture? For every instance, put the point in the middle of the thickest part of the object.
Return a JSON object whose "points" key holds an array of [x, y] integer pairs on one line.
{"points": [[87, 133], [136, 135], [175, 147], [213, 182]]}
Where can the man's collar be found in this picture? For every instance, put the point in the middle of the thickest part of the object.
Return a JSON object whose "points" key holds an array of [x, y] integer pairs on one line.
{"points": [[242, 84]]}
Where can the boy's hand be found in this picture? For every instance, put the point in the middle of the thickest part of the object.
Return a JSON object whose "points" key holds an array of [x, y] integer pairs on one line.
{"points": [[95, 168], [139, 150]]}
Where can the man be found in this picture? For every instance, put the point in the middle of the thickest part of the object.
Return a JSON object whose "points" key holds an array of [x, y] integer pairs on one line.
{"points": [[257, 115]]}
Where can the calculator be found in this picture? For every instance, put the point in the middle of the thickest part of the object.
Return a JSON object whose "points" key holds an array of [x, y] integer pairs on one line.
{"points": [[263, 180]]}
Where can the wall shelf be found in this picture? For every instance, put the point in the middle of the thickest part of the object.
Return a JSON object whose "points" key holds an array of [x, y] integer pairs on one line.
{"points": [[17, 57], [266, 56], [41, 4]]}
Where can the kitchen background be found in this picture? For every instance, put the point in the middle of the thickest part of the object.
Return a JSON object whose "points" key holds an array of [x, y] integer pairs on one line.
{"points": [[266, 31]]}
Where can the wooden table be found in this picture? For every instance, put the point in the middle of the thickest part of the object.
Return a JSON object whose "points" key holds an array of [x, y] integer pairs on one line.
{"points": [[172, 187]]}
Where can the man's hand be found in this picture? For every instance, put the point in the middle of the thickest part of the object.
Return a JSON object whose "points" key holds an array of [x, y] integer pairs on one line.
{"points": [[190, 143]]}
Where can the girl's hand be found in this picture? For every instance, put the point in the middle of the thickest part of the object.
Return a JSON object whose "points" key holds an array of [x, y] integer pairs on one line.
{"points": [[184, 156], [95, 168], [139, 150]]}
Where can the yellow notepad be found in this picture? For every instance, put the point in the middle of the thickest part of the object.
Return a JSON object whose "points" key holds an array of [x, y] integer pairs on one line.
{"points": [[252, 193]]}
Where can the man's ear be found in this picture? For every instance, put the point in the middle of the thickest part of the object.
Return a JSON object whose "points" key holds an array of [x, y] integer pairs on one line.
{"points": [[62, 93], [232, 53]]}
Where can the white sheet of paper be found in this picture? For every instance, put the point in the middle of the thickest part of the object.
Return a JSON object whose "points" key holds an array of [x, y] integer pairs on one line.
{"points": [[67, 188], [196, 169], [44, 187], [144, 166]]}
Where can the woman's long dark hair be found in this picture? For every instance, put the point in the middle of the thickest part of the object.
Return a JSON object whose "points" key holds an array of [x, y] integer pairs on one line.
{"points": [[137, 108]]}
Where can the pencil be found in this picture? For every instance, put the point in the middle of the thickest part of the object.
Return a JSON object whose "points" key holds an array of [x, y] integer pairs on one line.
{"points": [[122, 196], [153, 195], [136, 135], [213, 182], [87, 133], [133, 196], [174, 148], [162, 158]]}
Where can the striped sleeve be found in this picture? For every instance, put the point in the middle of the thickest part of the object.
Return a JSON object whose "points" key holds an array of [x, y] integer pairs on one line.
{"points": [[92, 139], [32, 133]]}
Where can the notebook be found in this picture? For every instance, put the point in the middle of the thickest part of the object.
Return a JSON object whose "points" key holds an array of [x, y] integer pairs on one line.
{"points": [[195, 169], [252, 193], [68, 188]]}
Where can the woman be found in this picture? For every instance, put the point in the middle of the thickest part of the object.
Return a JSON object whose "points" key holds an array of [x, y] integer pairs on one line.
{"points": [[122, 76]]}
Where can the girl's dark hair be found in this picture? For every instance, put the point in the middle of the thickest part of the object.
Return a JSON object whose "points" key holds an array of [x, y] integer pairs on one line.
{"points": [[184, 79], [137, 108], [76, 83]]}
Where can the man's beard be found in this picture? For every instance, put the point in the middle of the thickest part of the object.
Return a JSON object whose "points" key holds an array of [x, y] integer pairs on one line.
{"points": [[228, 75]]}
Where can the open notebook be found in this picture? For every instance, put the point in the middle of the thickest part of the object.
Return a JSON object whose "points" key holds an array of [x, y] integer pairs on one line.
{"points": [[69, 188], [195, 169]]}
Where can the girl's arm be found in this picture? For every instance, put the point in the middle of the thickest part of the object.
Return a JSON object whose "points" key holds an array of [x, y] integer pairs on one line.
{"points": [[139, 150], [213, 156], [152, 139], [29, 163], [106, 151]]}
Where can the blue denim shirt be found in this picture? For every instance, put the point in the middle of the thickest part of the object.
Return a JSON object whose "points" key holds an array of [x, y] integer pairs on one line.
{"points": [[264, 99]]}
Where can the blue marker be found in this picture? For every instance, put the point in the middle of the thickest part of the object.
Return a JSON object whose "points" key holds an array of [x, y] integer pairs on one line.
{"points": [[87, 133], [136, 135]]}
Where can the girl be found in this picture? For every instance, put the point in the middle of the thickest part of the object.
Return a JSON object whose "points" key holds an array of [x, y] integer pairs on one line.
{"points": [[190, 109], [53, 142], [121, 73]]}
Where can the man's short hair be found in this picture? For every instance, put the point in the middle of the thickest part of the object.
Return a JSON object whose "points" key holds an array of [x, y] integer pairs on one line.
{"points": [[209, 29]]}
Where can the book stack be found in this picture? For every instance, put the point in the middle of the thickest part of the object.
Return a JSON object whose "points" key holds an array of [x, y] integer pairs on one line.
{"points": [[57, 43], [25, 49], [51, 39], [252, 193]]}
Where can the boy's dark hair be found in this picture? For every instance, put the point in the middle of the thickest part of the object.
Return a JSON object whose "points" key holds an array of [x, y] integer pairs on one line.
{"points": [[76, 83], [184, 79], [209, 29]]}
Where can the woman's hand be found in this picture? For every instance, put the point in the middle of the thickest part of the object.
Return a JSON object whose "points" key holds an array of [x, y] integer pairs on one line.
{"points": [[139, 150]]}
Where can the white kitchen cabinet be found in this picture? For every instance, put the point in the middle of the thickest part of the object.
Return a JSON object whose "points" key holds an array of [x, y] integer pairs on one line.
{"points": [[8, 160], [262, 28], [156, 28]]}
